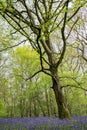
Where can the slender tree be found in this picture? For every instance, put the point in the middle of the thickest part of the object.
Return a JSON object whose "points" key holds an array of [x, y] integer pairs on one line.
{"points": [[39, 21]]}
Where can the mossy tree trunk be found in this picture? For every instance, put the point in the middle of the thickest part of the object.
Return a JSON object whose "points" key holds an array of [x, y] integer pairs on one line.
{"points": [[59, 96]]}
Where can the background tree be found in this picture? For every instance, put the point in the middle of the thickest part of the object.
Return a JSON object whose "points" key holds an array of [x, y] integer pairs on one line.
{"points": [[29, 98]]}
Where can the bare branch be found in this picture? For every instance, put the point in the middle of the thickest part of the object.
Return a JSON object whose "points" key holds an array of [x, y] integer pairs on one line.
{"points": [[44, 71], [74, 14], [72, 28], [33, 75], [74, 87], [74, 79], [9, 47]]}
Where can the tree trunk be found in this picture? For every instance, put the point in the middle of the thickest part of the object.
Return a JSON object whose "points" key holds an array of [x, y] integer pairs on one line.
{"points": [[41, 106], [47, 102], [61, 103]]}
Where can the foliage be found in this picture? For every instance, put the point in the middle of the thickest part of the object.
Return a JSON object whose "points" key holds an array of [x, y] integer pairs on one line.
{"points": [[2, 109]]}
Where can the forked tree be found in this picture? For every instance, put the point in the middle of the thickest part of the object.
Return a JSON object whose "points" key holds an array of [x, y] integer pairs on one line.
{"points": [[39, 21]]}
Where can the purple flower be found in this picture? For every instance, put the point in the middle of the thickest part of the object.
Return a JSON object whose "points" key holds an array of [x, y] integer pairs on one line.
{"points": [[43, 123]]}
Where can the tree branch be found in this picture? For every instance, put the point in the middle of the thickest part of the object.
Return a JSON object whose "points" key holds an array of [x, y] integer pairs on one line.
{"points": [[63, 35], [72, 28], [74, 87], [9, 47], [33, 75], [44, 71]]}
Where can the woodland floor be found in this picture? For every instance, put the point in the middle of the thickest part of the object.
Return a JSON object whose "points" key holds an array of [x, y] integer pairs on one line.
{"points": [[44, 123]]}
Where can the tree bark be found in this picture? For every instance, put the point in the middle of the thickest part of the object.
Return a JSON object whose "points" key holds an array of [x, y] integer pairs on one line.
{"points": [[57, 88], [60, 100]]}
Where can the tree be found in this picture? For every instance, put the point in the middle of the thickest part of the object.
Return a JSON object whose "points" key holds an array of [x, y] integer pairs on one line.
{"points": [[39, 21]]}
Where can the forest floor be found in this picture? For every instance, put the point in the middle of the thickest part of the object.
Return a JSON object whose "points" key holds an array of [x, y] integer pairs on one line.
{"points": [[44, 123]]}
